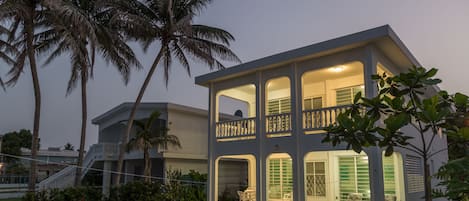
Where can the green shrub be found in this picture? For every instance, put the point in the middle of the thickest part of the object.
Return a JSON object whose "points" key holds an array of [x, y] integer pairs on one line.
{"points": [[177, 187], [136, 191], [67, 194]]}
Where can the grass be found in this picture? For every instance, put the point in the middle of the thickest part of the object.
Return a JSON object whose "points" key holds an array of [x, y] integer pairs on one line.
{"points": [[11, 199]]}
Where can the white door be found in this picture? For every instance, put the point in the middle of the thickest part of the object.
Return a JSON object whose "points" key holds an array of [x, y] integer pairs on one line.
{"points": [[316, 181]]}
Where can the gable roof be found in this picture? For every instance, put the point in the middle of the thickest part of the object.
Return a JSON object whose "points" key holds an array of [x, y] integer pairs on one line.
{"points": [[383, 37]]}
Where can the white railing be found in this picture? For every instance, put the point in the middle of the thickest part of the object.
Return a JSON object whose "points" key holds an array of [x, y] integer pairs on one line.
{"points": [[278, 123], [65, 177], [236, 128], [62, 179], [318, 119], [99, 152]]}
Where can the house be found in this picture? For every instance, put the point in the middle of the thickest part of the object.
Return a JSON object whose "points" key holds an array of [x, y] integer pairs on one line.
{"points": [[288, 99], [187, 123], [51, 160]]}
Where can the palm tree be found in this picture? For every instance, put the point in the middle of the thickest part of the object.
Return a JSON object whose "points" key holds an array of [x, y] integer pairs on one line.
{"points": [[169, 22], [69, 147], [25, 16], [83, 28], [149, 135]]}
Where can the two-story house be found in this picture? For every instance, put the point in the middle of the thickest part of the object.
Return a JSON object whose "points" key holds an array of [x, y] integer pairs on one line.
{"points": [[189, 124], [288, 99]]}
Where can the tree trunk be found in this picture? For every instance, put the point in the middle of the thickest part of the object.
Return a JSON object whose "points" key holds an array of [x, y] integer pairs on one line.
{"points": [[147, 170], [84, 118], [125, 137], [29, 26], [427, 180]]}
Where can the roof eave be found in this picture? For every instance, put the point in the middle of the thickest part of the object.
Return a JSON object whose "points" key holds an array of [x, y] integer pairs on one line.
{"points": [[362, 37]]}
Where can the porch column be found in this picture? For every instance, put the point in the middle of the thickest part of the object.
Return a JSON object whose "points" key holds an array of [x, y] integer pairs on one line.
{"points": [[212, 193], [375, 162], [260, 139], [297, 134], [370, 65], [107, 177]]}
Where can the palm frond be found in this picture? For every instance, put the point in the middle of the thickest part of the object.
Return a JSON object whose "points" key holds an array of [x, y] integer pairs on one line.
{"points": [[153, 117], [17, 68], [179, 54], [212, 33]]}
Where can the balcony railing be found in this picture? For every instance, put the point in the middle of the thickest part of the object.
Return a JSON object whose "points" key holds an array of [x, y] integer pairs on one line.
{"points": [[278, 123], [242, 128], [318, 119]]}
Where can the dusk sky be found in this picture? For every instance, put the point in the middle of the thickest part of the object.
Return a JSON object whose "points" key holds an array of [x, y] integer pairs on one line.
{"points": [[436, 32]]}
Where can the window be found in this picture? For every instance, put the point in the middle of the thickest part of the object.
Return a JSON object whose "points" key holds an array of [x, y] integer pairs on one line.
{"points": [[354, 182], [316, 179], [393, 177], [279, 106], [344, 96], [312, 103], [389, 175], [280, 178], [414, 167]]}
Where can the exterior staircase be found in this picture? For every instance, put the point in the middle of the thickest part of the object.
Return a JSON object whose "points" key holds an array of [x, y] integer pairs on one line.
{"points": [[65, 177]]}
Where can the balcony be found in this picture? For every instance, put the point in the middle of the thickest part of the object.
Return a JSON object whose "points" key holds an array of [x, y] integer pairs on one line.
{"points": [[324, 93], [236, 129], [278, 124], [318, 119]]}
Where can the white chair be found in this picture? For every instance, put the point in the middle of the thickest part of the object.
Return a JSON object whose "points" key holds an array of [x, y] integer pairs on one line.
{"points": [[390, 197], [287, 197], [242, 196]]}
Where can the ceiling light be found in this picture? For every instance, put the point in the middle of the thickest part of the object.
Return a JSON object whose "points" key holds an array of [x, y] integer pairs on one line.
{"points": [[337, 69]]}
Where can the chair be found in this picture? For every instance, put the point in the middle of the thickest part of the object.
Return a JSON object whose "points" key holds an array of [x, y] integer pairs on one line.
{"points": [[287, 197], [390, 197], [354, 197], [250, 194], [242, 196]]}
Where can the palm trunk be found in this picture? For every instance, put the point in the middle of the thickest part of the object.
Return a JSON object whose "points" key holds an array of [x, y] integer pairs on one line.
{"points": [[84, 116], [147, 170], [125, 137], [29, 26]]}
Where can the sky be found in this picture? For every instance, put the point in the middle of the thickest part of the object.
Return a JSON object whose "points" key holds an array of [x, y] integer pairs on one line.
{"points": [[435, 31]]}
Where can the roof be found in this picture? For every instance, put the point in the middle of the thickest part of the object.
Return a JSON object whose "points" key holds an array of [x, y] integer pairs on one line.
{"points": [[383, 37], [47, 152], [127, 106]]}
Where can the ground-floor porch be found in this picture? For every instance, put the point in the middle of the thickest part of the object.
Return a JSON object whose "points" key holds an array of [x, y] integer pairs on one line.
{"points": [[325, 176]]}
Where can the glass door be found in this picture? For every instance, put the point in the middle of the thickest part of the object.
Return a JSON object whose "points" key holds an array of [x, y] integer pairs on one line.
{"points": [[316, 188]]}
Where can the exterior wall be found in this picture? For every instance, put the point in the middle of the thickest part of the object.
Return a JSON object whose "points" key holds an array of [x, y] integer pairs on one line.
{"points": [[191, 129], [108, 135]]}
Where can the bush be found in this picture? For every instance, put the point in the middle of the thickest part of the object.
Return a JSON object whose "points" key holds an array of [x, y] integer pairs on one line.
{"points": [[136, 191], [68, 194], [178, 187]]}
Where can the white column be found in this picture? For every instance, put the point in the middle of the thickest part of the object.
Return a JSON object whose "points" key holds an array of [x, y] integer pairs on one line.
{"points": [[375, 162], [260, 139], [297, 134], [107, 177], [212, 193]]}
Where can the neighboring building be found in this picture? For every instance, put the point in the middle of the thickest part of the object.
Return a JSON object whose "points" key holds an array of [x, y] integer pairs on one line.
{"points": [[51, 160], [289, 98], [187, 123]]}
